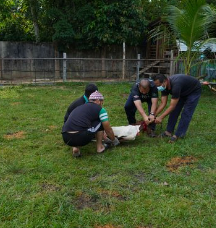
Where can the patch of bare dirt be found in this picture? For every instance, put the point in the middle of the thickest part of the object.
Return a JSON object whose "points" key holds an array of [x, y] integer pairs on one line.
{"points": [[108, 226], [125, 95], [145, 226], [49, 187], [15, 103], [52, 127], [16, 135], [114, 194], [175, 163], [86, 201]]}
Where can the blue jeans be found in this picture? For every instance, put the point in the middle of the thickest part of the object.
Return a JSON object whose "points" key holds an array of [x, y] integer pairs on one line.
{"points": [[189, 104], [130, 110]]}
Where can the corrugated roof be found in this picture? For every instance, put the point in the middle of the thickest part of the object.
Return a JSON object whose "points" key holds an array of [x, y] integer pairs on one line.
{"points": [[182, 47]]}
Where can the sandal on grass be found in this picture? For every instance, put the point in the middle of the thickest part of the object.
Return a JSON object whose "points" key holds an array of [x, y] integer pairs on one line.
{"points": [[76, 154], [164, 135], [173, 139], [106, 146]]}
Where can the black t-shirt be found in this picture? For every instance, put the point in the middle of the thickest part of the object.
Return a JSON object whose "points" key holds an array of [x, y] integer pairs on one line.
{"points": [[182, 86], [82, 118], [137, 95], [80, 101]]}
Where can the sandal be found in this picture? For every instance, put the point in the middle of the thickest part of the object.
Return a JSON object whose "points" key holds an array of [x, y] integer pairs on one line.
{"points": [[107, 141], [164, 135], [106, 146], [173, 139], [76, 154]]}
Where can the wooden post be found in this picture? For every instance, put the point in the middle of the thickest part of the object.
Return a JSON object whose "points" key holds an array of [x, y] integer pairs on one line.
{"points": [[64, 67], [123, 63], [104, 63], [57, 64], [172, 70], [1, 56], [138, 67], [1, 68]]}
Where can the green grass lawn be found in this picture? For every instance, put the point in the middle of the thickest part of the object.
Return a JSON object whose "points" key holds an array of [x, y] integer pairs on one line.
{"points": [[138, 184]]}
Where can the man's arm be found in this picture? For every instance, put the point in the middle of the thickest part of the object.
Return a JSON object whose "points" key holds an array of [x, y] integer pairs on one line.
{"points": [[153, 109], [162, 104], [110, 133], [154, 104], [171, 107], [108, 130], [139, 107]]}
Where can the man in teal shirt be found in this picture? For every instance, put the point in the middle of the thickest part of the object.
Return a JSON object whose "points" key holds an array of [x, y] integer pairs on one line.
{"points": [[90, 88]]}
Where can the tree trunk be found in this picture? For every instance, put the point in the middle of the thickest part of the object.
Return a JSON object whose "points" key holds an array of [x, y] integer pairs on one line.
{"points": [[32, 5]]}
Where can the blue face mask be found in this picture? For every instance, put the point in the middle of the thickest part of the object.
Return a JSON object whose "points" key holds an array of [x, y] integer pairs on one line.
{"points": [[161, 88]]}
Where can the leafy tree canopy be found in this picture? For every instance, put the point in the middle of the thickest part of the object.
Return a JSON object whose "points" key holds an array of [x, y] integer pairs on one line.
{"points": [[85, 24]]}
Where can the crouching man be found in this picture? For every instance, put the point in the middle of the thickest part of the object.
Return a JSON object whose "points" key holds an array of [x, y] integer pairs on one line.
{"points": [[86, 122]]}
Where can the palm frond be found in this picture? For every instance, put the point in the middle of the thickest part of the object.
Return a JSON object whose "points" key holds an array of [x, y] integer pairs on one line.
{"points": [[190, 25]]}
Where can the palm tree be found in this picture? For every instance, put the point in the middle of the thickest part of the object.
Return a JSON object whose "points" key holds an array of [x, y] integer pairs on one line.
{"points": [[190, 26]]}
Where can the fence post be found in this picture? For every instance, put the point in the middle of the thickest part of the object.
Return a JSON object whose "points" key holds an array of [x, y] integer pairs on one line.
{"points": [[171, 63], [64, 67], [138, 67], [57, 73], [1, 68], [123, 63]]}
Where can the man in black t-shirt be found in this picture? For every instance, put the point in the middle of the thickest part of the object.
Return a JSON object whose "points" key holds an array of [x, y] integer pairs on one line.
{"points": [[185, 91], [143, 91], [90, 88], [87, 121]]}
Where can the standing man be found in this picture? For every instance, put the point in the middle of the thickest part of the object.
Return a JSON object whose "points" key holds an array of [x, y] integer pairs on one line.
{"points": [[90, 88], [87, 121], [143, 91], [185, 91]]}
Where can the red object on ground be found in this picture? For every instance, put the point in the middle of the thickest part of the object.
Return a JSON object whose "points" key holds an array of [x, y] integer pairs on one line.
{"points": [[143, 126]]}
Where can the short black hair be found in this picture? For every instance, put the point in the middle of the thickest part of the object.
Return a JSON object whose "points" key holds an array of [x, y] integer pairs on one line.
{"points": [[160, 77], [90, 88]]}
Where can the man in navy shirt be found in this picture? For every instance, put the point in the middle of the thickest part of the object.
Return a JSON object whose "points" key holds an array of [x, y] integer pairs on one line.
{"points": [[90, 88], [185, 91], [143, 91]]}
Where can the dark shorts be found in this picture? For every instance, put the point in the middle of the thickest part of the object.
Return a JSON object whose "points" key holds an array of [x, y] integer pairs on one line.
{"points": [[81, 138]]}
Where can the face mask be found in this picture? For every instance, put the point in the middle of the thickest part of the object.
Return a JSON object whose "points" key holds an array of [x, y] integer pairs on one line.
{"points": [[161, 88]]}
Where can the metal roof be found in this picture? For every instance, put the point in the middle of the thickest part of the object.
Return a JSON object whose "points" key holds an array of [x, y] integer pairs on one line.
{"points": [[182, 47]]}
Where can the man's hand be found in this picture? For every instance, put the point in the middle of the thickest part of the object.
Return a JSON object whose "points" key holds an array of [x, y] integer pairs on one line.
{"points": [[115, 142], [158, 120], [146, 120], [151, 118]]}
